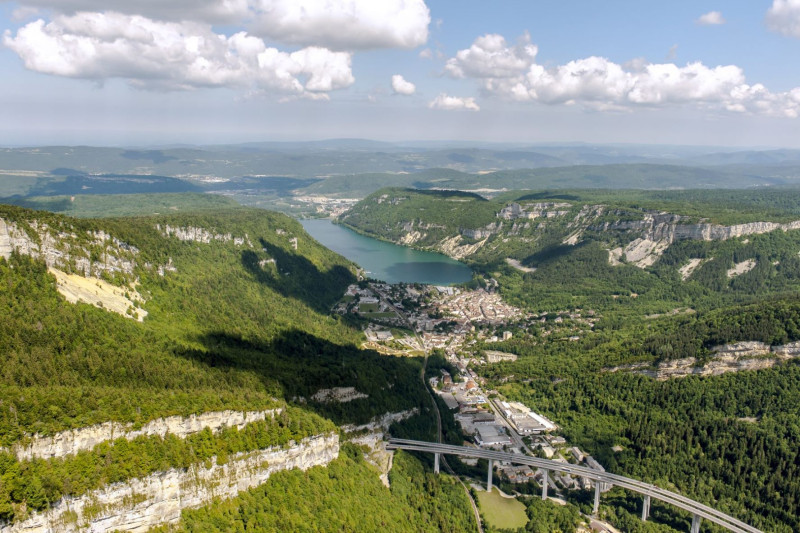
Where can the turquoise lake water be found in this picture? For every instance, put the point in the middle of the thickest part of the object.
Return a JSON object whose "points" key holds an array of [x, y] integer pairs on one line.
{"points": [[386, 261]]}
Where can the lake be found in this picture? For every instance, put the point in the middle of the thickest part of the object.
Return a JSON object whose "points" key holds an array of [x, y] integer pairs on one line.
{"points": [[386, 261]]}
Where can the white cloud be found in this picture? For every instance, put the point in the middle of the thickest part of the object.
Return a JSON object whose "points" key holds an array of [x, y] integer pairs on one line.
{"points": [[173, 56], [443, 101], [333, 24], [490, 57], [784, 17], [401, 86], [598, 83], [712, 18], [343, 24], [427, 53]]}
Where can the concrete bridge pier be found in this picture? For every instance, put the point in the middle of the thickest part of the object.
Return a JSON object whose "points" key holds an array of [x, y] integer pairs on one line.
{"points": [[489, 476], [696, 523], [436, 463], [645, 507], [544, 483], [596, 508]]}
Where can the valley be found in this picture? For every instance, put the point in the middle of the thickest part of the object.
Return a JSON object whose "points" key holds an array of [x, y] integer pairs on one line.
{"points": [[184, 358]]}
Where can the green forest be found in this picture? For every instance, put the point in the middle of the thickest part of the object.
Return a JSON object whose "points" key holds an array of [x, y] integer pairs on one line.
{"points": [[223, 332], [344, 496], [718, 439], [243, 322]]}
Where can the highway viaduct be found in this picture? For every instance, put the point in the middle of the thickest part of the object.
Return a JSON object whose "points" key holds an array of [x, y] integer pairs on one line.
{"points": [[698, 510]]}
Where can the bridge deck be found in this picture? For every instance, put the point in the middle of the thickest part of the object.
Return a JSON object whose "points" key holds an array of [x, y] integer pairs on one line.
{"points": [[698, 509]]}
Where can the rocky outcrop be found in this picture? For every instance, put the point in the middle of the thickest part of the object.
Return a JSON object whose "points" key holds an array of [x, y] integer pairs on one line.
{"points": [[455, 248], [338, 394], [686, 270], [92, 255], [381, 422], [74, 261], [195, 234], [659, 230], [121, 300], [73, 441], [736, 357], [140, 504], [741, 268], [535, 210], [411, 237], [480, 233]]}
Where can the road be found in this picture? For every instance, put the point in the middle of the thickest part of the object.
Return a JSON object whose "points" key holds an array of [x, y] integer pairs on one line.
{"points": [[701, 510], [438, 415]]}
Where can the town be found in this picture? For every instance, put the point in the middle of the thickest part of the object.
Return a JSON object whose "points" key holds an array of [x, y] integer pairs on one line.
{"points": [[414, 319]]}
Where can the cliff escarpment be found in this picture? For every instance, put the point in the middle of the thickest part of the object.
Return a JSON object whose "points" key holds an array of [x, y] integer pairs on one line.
{"points": [[734, 357], [140, 504], [73, 441], [655, 232]]}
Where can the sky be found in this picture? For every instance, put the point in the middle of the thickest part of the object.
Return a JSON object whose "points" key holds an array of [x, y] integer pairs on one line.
{"points": [[149, 72]]}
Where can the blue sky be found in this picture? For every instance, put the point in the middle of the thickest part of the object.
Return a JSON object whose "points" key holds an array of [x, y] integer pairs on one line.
{"points": [[214, 71]]}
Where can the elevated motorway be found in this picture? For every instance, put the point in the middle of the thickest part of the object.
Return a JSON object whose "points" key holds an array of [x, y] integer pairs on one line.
{"points": [[699, 511]]}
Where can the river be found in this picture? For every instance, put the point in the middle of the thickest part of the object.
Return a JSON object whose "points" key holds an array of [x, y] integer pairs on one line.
{"points": [[386, 261]]}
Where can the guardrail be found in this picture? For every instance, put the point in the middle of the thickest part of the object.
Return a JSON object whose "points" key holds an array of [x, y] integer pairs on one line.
{"points": [[699, 511]]}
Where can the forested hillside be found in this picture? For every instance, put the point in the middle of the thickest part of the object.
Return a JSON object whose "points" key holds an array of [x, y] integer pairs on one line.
{"points": [[595, 249], [238, 319], [623, 286]]}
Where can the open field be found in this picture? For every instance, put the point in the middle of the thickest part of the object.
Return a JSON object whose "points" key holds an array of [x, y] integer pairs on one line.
{"points": [[500, 512]]}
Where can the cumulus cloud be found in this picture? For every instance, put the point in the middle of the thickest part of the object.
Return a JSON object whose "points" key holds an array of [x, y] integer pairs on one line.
{"points": [[173, 56], [343, 24], [490, 57], [599, 83], [443, 101], [712, 18], [334, 24], [784, 17], [401, 86]]}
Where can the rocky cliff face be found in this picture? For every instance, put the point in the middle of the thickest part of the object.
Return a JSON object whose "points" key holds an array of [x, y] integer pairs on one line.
{"points": [[736, 357], [71, 442], [140, 504], [65, 251], [481, 233], [74, 260], [658, 230], [195, 234]]}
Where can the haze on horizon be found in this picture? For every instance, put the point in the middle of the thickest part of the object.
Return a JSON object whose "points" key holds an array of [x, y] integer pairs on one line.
{"points": [[219, 71]]}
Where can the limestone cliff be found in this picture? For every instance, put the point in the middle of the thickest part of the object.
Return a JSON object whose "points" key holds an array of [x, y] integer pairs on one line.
{"points": [[735, 357], [140, 504], [656, 231], [195, 234], [73, 441], [91, 255]]}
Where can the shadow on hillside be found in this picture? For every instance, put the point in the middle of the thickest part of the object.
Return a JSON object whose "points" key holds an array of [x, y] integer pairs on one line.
{"points": [[110, 184], [550, 254], [549, 195], [294, 276], [296, 365], [56, 205], [449, 193]]}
